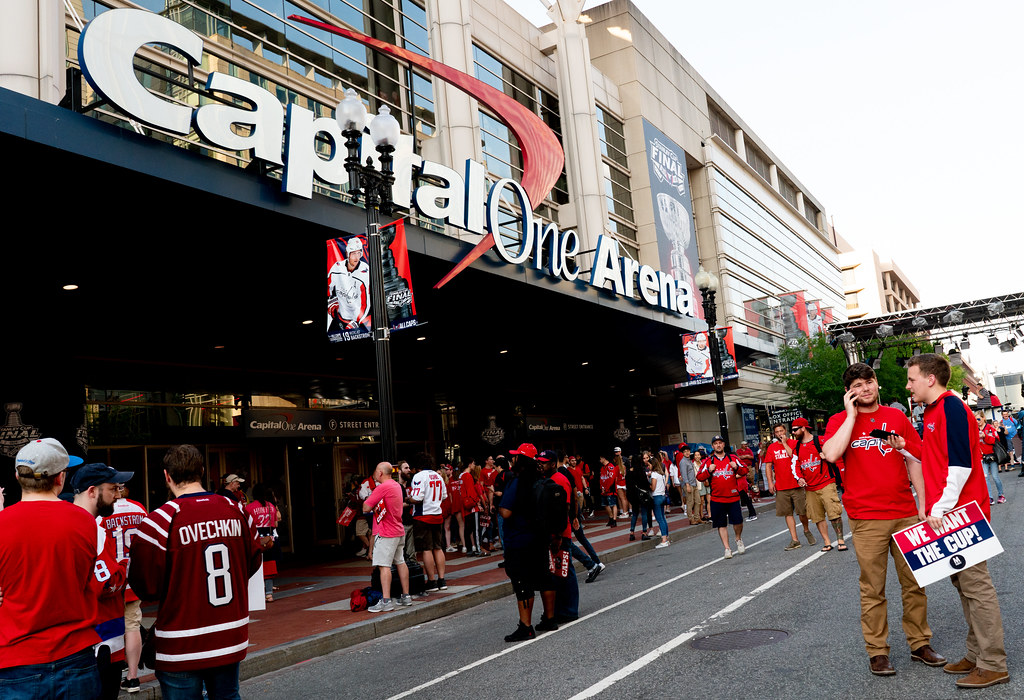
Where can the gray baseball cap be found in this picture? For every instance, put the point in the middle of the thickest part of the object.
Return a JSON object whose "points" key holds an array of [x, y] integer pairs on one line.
{"points": [[44, 457]]}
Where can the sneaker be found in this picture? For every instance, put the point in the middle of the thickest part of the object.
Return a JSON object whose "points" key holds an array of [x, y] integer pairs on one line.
{"points": [[131, 685], [661, 545], [632, 537], [740, 549], [751, 518], [810, 537], [522, 633], [611, 522], [430, 587], [547, 624], [451, 549], [728, 554], [405, 600], [1001, 499], [792, 545], [441, 584], [481, 553], [595, 572], [382, 605], [650, 533], [991, 501], [645, 537], [360, 553]]}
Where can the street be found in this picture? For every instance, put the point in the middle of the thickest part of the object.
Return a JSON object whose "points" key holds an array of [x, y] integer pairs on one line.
{"points": [[643, 619]]}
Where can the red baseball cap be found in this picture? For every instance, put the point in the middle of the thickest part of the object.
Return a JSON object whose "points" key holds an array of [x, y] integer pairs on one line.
{"points": [[801, 423], [525, 449]]}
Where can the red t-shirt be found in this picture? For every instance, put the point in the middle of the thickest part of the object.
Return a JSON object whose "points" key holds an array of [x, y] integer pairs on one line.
{"points": [[577, 475], [813, 470], [609, 475], [782, 465], [386, 502], [487, 477], [470, 494], [262, 516], [725, 474], [875, 481], [620, 477], [455, 489], [745, 455], [988, 437], [560, 479], [951, 442], [49, 557]]}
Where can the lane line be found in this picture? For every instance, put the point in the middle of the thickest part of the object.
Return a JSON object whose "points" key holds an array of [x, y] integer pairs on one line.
{"points": [[549, 635], [660, 651]]}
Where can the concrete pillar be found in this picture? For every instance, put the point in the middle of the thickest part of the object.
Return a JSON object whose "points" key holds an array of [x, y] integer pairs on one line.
{"points": [[773, 176], [800, 202], [32, 48], [580, 137], [741, 144]]}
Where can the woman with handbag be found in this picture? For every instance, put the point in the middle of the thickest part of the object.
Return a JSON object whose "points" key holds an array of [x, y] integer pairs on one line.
{"points": [[988, 438], [659, 495], [639, 494]]}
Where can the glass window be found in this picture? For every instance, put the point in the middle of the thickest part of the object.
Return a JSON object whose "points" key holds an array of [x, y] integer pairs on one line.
{"points": [[758, 162], [723, 127], [787, 190], [414, 27], [613, 141]]}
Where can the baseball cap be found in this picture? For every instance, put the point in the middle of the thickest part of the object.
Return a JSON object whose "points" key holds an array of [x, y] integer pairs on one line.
{"points": [[718, 438], [617, 449], [801, 423], [44, 457], [526, 449], [233, 477], [94, 474], [547, 456]]}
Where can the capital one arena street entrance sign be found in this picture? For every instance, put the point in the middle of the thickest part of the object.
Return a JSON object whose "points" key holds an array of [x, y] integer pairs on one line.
{"points": [[465, 200]]}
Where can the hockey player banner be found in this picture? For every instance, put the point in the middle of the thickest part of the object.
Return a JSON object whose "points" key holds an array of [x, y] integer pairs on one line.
{"points": [[670, 190], [697, 357], [794, 317], [349, 314], [815, 318], [966, 539]]}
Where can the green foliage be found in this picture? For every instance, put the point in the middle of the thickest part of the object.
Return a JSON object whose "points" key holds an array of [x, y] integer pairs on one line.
{"points": [[815, 379]]}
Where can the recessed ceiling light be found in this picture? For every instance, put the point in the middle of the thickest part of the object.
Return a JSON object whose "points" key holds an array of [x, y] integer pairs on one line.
{"points": [[218, 347], [502, 352], [584, 364], [307, 322], [633, 369], [70, 287], [422, 337]]}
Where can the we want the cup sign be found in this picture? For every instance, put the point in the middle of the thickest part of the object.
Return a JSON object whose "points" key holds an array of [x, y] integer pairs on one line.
{"points": [[966, 539]]}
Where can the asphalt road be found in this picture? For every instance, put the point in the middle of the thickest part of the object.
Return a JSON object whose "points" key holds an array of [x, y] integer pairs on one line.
{"points": [[641, 619]]}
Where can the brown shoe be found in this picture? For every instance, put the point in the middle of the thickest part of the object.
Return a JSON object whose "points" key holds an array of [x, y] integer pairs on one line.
{"points": [[926, 655], [880, 666], [983, 678], [961, 666]]}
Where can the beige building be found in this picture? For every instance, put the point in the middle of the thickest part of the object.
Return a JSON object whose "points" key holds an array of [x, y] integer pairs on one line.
{"points": [[872, 284]]}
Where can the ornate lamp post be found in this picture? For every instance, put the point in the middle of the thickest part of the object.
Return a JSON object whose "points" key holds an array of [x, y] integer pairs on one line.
{"points": [[374, 186], [707, 283]]}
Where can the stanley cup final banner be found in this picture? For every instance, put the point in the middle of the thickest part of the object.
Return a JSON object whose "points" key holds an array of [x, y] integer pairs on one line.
{"points": [[348, 284], [670, 189], [697, 358]]}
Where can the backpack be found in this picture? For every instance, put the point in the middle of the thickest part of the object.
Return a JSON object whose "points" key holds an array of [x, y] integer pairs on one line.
{"points": [[833, 469], [550, 507], [357, 601]]}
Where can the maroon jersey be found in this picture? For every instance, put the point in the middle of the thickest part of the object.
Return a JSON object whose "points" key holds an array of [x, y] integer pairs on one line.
{"points": [[195, 555]]}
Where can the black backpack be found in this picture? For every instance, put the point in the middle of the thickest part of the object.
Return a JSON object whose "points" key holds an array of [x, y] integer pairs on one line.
{"points": [[550, 507], [833, 469]]}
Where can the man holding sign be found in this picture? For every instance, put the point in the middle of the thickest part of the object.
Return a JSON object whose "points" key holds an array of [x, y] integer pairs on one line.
{"points": [[951, 461]]}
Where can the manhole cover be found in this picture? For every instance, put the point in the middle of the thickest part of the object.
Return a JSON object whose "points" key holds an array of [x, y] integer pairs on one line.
{"points": [[739, 639]]}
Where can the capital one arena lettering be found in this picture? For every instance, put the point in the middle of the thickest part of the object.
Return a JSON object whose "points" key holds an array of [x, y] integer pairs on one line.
{"points": [[106, 51]]}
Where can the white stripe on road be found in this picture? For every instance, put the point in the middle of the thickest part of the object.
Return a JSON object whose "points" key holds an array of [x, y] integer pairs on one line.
{"points": [[658, 652], [509, 650]]}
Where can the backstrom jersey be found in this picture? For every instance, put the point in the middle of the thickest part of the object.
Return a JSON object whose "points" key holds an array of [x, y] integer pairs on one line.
{"points": [[121, 526], [110, 573], [195, 555], [428, 490]]}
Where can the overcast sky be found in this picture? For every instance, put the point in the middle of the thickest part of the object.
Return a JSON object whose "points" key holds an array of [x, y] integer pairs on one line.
{"points": [[902, 117]]}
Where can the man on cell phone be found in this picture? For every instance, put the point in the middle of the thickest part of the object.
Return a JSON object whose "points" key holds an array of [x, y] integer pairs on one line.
{"points": [[879, 502]]}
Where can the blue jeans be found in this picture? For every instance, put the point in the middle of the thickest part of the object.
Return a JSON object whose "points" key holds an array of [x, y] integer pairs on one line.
{"points": [[75, 677], [581, 557], [992, 474], [221, 683], [581, 537], [659, 513], [645, 516]]}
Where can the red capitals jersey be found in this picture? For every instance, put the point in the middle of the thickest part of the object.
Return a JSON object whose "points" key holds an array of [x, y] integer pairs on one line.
{"points": [[988, 437], [951, 442], [195, 555], [121, 526], [783, 465], [609, 474], [50, 562], [724, 475], [110, 574], [811, 468], [455, 487]]}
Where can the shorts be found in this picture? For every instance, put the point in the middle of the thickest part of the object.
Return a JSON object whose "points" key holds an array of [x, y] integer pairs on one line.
{"points": [[790, 501], [722, 512], [388, 550], [132, 615], [824, 503], [427, 536], [362, 527], [527, 569], [609, 500]]}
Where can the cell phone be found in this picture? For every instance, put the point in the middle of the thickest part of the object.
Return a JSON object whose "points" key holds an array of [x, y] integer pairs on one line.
{"points": [[882, 434]]}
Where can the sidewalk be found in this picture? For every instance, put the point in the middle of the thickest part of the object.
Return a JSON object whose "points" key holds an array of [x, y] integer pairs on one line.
{"points": [[310, 614]]}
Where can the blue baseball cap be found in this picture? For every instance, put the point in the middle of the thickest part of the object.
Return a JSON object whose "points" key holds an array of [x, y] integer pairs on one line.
{"points": [[95, 474]]}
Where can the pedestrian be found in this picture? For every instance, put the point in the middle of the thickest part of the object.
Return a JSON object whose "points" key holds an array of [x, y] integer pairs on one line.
{"points": [[427, 493], [589, 559], [1010, 429], [722, 470], [609, 497], [790, 499], [388, 537], [659, 494], [879, 502], [987, 437], [363, 530], [675, 482], [620, 483], [455, 489], [403, 474], [951, 462], [822, 499], [195, 555], [232, 488], [447, 506], [703, 491], [501, 482], [122, 525], [638, 492], [472, 504], [742, 486], [567, 591], [266, 517], [688, 475]]}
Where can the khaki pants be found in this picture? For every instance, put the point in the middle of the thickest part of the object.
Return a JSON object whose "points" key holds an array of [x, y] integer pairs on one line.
{"points": [[872, 540], [984, 621], [693, 505]]}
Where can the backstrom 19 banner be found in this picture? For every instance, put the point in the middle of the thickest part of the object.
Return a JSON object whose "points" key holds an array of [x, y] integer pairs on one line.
{"points": [[348, 284], [670, 190], [697, 357]]}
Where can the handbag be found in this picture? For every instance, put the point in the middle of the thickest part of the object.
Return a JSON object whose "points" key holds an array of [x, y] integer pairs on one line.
{"points": [[1001, 455]]}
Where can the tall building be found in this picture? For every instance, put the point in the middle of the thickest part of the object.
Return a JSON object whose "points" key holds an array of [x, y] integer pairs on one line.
{"points": [[872, 284], [186, 294]]}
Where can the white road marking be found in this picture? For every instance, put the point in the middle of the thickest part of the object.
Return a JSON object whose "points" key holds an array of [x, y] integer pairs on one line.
{"points": [[668, 646], [549, 635]]}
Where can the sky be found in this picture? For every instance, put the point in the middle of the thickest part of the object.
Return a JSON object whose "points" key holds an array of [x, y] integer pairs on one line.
{"points": [[899, 116]]}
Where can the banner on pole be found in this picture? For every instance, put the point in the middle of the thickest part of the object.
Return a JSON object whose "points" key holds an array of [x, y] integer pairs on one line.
{"points": [[697, 357]]}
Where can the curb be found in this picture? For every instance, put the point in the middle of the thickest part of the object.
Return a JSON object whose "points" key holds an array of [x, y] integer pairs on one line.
{"points": [[308, 648]]}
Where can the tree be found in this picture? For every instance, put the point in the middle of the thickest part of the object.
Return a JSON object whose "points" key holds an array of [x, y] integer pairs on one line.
{"points": [[815, 379]]}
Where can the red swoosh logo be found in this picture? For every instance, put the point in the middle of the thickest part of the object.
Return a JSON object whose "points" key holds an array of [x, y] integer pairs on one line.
{"points": [[542, 154]]}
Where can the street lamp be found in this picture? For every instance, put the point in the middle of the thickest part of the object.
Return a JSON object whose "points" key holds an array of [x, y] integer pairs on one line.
{"points": [[374, 186], [707, 283]]}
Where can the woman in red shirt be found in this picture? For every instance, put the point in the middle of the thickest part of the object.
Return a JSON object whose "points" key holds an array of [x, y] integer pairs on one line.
{"points": [[472, 504], [620, 485], [455, 489], [265, 518]]}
